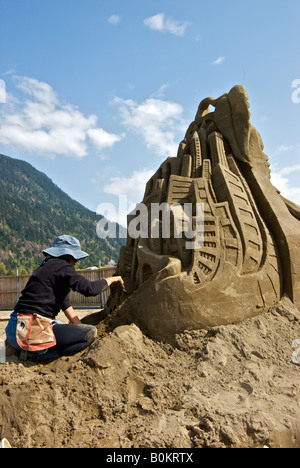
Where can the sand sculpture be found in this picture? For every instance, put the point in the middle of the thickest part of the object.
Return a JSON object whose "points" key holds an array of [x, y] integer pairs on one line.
{"points": [[249, 254]]}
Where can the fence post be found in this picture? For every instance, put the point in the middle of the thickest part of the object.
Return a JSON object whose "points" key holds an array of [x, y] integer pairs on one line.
{"points": [[101, 277], [17, 285]]}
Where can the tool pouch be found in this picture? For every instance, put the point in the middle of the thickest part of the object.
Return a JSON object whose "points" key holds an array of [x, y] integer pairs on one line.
{"points": [[34, 332]]}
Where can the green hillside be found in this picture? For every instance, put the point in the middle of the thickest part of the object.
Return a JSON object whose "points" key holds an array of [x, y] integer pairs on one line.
{"points": [[34, 211]]}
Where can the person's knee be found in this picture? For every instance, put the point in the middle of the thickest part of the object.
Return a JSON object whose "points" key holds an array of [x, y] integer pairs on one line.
{"points": [[91, 333]]}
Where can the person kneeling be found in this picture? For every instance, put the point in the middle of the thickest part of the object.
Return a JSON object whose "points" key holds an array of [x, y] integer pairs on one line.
{"points": [[33, 327]]}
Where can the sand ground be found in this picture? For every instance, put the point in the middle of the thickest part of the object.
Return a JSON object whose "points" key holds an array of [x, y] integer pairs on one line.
{"points": [[233, 386]]}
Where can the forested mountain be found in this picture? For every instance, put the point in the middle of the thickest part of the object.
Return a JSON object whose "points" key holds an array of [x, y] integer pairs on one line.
{"points": [[34, 211]]}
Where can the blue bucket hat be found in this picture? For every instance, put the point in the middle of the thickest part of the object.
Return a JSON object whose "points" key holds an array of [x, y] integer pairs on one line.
{"points": [[66, 245]]}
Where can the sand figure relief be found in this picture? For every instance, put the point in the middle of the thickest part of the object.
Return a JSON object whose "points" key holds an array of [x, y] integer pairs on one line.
{"points": [[245, 257]]}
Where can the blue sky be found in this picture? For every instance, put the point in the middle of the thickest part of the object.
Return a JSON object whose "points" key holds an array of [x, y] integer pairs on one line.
{"points": [[97, 93]]}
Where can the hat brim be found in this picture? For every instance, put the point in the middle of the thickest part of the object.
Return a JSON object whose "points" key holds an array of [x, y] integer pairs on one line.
{"points": [[59, 252]]}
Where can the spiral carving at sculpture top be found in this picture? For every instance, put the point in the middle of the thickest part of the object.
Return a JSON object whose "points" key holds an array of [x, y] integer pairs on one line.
{"points": [[247, 257]]}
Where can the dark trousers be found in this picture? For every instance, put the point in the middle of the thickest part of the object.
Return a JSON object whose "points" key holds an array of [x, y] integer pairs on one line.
{"points": [[71, 339]]}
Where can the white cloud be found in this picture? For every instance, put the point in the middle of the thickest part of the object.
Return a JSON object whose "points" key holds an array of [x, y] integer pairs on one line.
{"points": [[42, 124], [2, 92], [114, 19], [159, 22], [284, 186], [282, 177], [130, 191], [103, 139], [133, 186], [219, 61], [160, 93], [40, 91], [156, 121], [282, 149], [290, 170]]}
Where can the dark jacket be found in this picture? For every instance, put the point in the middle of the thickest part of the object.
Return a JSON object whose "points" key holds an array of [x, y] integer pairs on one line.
{"points": [[46, 292]]}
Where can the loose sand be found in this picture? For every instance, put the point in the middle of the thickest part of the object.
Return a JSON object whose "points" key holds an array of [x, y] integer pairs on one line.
{"points": [[234, 386]]}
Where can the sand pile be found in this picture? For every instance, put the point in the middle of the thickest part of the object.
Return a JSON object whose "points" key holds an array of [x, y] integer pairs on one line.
{"points": [[234, 386]]}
